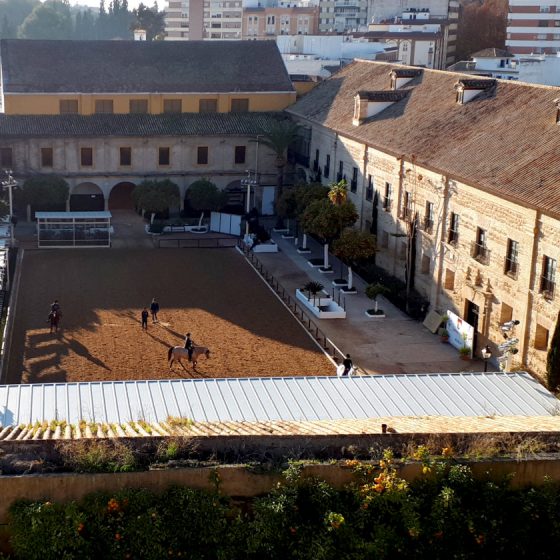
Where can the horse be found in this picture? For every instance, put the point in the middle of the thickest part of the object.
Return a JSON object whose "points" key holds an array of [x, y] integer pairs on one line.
{"points": [[53, 319], [177, 353]]}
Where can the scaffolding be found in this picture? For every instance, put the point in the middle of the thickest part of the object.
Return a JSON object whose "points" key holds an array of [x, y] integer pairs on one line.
{"points": [[58, 230]]}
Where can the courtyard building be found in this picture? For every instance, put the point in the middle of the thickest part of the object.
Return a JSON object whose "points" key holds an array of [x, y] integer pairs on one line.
{"points": [[458, 179], [142, 77]]}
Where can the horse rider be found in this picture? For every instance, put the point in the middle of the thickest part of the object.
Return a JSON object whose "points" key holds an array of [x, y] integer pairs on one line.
{"points": [[189, 345]]}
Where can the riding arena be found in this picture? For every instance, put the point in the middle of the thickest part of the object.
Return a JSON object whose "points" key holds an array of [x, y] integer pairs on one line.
{"points": [[213, 294]]}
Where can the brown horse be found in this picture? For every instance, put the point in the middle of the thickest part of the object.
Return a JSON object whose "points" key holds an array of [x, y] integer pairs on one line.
{"points": [[178, 353], [53, 319]]}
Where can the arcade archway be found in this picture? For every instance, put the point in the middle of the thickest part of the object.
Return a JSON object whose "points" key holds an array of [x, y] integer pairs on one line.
{"points": [[87, 197], [120, 197]]}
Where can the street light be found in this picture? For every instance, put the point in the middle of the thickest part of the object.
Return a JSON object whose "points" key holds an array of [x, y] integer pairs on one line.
{"points": [[9, 183], [486, 355], [248, 182]]}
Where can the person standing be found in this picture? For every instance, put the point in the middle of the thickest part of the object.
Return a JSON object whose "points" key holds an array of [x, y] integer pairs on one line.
{"points": [[154, 308], [189, 345], [348, 365], [55, 306], [145, 319]]}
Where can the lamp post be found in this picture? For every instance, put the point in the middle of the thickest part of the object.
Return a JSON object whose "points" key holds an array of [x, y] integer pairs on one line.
{"points": [[9, 183], [248, 182], [486, 355]]}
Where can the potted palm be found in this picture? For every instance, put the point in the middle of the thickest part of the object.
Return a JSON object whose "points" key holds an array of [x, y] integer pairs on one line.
{"points": [[443, 334], [372, 292], [465, 353], [313, 288]]}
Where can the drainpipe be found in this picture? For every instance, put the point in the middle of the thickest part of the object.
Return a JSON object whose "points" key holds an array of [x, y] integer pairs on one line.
{"points": [[526, 319], [363, 193], [440, 248], [399, 202]]}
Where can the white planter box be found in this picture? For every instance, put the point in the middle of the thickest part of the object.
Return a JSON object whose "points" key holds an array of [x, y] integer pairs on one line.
{"points": [[378, 316], [270, 247], [319, 299], [333, 311]]}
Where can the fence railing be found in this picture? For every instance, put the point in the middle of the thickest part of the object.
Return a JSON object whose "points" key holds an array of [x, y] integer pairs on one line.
{"points": [[297, 310], [195, 243]]}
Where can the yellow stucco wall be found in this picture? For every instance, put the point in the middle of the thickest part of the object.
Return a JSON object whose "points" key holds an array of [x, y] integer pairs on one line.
{"points": [[49, 104]]}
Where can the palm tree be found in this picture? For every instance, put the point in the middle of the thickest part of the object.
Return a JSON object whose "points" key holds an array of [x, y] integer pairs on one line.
{"points": [[278, 136], [338, 193]]}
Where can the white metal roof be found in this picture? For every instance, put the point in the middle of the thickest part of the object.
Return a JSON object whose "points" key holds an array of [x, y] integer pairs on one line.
{"points": [[72, 215], [278, 398]]}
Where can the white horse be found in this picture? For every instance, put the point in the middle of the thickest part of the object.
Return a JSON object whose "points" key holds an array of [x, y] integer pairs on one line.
{"points": [[178, 353]]}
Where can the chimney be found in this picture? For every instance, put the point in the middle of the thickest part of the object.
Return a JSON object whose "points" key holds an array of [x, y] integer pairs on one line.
{"points": [[401, 76], [369, 103], [469, 89]]}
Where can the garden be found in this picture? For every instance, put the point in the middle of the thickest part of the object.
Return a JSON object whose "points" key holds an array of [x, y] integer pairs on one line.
{"points": [[445, 513]]}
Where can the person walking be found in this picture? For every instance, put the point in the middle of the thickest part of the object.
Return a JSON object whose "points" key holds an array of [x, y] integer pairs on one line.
{"points": [[145, 319], [55, 306], [348, 365], [154, 308], [189, 345]]}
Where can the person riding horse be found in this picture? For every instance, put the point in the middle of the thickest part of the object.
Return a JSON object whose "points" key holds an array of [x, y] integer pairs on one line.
{"points": [[53, 319], [189, 345]]}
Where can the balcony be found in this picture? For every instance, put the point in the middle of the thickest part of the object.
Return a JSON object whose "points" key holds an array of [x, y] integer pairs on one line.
{"points": [[353, 186], [369, 194], [387, 203], [453, 237], [480, 253], [428, 225], [315, 165], [511, 268], [326, 171], [547, 287]]}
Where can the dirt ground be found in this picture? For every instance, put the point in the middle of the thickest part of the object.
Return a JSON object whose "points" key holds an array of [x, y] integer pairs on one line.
{"points": [[212, 293]]}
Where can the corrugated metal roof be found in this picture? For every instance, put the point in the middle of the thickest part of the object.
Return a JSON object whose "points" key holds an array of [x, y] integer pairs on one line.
{"points": [[278, 399]]}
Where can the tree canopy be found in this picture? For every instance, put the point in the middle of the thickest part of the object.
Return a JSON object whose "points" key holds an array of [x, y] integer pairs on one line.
{"points": [[205, 196], [156, 196], [43, 191], [354, 245], [326, 220], [51, 20]]}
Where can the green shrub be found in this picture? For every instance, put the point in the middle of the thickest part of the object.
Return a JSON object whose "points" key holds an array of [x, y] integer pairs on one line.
{"points": [[97, 455]]}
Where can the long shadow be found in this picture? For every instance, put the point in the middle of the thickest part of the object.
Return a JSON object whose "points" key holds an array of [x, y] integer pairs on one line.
{"points": [[82, 351]]}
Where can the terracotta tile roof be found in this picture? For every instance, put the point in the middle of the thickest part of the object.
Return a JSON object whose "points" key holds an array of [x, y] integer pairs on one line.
{"points": [[41, 66], [476, 84], [184, 124], [506, 141], [283, 428], [406, 72], [492, 53]]}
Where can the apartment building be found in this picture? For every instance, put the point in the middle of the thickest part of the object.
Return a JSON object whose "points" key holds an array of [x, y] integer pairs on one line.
{"points": [[194, 20], [342, 15], [268, 23], [458, 177], [142, 77], [533, 27]]}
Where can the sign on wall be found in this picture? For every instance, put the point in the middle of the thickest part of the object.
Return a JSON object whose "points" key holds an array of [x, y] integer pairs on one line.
{"points": [[460, 332]]}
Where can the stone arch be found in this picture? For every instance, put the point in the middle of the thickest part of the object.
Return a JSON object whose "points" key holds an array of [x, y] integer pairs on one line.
{"points": [[120, 196], [87, 197], [237, 197]]}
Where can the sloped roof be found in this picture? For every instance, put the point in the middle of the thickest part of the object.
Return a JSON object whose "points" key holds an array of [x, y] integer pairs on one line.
{"points": [[48, 66], [492, 53], [298, 399], [505, 141], [183, 124]]}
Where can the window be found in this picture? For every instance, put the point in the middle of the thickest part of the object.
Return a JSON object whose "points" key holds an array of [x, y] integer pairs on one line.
{"points": [[402, 250], [369, 190], [46, 157], [449, 283], [125, 156], [86, 157], [512, 259], [453, 235], [208, 106], [354, 181], [164, 156], [68, 106], [239, 105], [327, 168], [548, 277], [479, 250], [388, 198], [104, 106], [425, 269], [6, 159], [202, 155], [316, 161], [172, 106], [429, 217], [239, 154], [340, 174], [407, 206], [138, 106], [541, 338]]}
